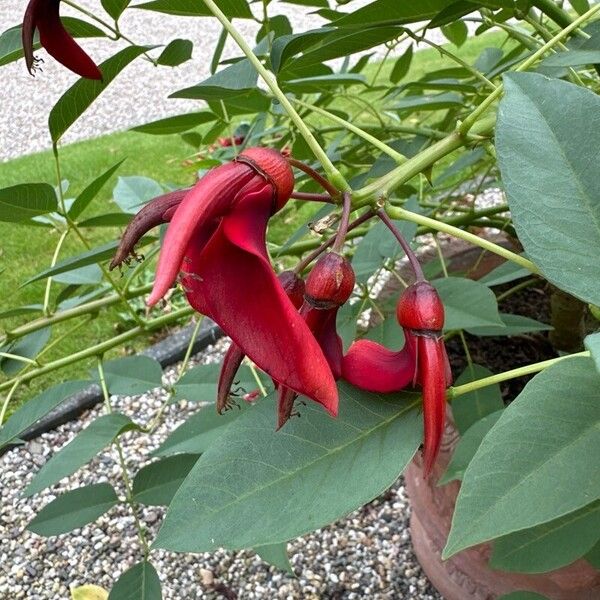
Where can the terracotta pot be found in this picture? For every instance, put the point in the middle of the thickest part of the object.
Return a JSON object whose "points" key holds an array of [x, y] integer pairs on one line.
{"points": [[466, 576]]}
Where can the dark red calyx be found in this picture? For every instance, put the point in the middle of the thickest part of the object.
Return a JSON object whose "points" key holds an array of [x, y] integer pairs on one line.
{"points": [[420, 308], [331, 281], [293, 285]]}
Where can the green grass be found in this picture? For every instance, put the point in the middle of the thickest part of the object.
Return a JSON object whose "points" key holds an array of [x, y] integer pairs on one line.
{"points": [[25, 251]]}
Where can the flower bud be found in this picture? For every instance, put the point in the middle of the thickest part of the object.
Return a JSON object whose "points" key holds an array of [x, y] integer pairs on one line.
{"points": [[331, 281], [420, 308], [293, 286]]}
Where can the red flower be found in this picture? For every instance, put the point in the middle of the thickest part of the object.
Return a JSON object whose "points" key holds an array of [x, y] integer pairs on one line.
{"points": [[329, 285], [216, 237], [423, 360], [43, 15]]}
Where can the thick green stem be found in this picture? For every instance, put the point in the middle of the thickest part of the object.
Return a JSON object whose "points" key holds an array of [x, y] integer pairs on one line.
{"points": [[269, 78], [460, 390]]}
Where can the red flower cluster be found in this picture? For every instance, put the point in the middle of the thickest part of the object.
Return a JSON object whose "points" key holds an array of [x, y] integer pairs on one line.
{"points": [[215, 246], [43, 15]]}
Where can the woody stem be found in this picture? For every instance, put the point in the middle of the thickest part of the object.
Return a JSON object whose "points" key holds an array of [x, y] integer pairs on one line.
{"points": [[412, 258]]}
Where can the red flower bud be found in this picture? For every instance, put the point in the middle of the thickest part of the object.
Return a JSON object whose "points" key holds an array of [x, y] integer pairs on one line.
{"points": [[293, 285], [420, 308], [330, 282]]}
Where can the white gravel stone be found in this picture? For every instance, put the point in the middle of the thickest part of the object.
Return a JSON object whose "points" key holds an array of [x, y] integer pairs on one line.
{"points": [[367, 555]]}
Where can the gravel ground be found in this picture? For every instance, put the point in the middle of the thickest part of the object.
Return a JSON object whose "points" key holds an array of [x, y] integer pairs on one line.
{"points": [[138, 95], [367, 555]]}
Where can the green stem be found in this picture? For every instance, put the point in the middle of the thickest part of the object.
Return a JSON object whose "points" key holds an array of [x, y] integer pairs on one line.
{"points": [[397, 156], [269, 78], [7, 400], [124, 474], [396, 212], [62, 238], [516, 288], [469, 122], [103, 346], [460, 390]]}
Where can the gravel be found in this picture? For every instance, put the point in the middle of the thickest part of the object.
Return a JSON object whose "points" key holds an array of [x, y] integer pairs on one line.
{"points": [[366, 555], [139, 94]]}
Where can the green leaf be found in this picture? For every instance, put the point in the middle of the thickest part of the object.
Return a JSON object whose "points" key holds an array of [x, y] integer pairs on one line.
{"points": [[391, 11], [549, 546], [410, 104], [21, 310], [467, 303], [522, 596], [21, 202], [156, 483], [467, 446], [28, 346], [532, 467], [402, 65], [74, 102], [140, 582], [230, 81], [456, 32], [176, 124], [346, 321], [506, 272], [286, 46], [132, 192], [276, 555], [312, 472], [74, 509], [80, 450], [199, 384], [558, 218], [388, 333], [89, 193], [196, 8], [201, 431], [473, 406], [115, 8], [38, 407], [90, 274], [132, 375], [176, 53], [572, 58], [322, 82], [592, 343], [513, 325], [593, 556], [95, 255], [107, 220], [581, 6]]}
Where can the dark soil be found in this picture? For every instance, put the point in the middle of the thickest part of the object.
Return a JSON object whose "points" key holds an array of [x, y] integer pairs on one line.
{"points": [[502, 353]]}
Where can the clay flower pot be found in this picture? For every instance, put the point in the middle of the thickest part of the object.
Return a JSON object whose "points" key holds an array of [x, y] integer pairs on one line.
{"points": [[467, 574]]}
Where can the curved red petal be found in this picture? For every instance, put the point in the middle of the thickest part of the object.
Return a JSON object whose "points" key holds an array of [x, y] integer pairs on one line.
{"points": [[322, 324], [57, 41], [231, 363], [157, 211], [285, 405], [208, 200], [231, 280], [372, 367], [432, 369]]}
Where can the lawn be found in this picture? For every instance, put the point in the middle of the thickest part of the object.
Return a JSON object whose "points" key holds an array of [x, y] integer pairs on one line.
{"points": [[159, 157]]}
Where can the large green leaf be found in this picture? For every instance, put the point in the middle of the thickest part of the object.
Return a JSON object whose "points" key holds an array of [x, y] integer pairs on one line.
{"points": [[592, 343], [536, 464], [196, 8], [467, 447], [115, 7], [19, 203], [89, 193], [74, 509], [551, 177], [176, 124], [156, 483], [81, 449], [551, 545], [140, 582], [276, 555], [593, 556], [286, 46], [132, 375], [133, 191], [36, 408], [256, 486], [393, 11], [469, 408], [28, 346], [506, 272], [200, 431], [467, 303], [73, 103]]}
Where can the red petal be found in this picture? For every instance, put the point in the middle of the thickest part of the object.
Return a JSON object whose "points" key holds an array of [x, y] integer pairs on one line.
{"points": [[432, 369], [232, 282], [285, 405], [43, 14], [209, 199], [371, 366], [322, 323], [231, 363], [157, 211]]}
